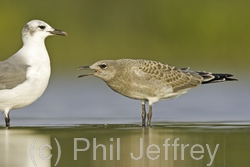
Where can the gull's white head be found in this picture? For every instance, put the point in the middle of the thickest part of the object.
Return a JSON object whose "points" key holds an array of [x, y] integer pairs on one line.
{"points": [[39, 30]]}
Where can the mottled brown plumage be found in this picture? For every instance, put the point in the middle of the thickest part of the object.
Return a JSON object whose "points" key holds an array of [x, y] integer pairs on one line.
{"points": [[150, 81]]}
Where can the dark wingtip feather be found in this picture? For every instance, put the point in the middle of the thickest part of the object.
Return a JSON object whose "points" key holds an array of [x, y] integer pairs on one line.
{"points": [[213, 78]]}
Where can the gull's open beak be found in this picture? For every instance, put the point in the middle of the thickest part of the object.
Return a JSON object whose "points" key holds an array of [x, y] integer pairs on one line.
{"points": [[58, 32], [84, 68]]}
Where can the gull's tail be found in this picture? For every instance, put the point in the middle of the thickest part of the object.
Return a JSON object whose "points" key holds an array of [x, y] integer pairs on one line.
{"points": [[209, 77]]}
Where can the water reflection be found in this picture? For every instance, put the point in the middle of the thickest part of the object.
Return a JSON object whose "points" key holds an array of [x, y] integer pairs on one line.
{"points": [[128, 145], [15, 148]]}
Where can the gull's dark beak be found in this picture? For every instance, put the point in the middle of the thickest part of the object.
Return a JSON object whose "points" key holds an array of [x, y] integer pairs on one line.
{"points": [[58, 32], [84, 68]]}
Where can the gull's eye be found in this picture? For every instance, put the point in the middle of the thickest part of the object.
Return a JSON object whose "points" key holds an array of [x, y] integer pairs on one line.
{"points": [[103, 66], [42, 27]]}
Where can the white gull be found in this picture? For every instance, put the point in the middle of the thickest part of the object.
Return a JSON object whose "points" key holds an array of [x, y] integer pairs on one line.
{"points": [[25, 75]]}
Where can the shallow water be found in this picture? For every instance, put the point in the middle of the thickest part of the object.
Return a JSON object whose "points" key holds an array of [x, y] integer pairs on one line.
{"points": [[73, 101], [127, 145], [84, 110]]}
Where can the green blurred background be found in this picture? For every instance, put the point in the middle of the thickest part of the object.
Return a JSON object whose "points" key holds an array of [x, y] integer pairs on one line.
{"points": [[212, 35], [205, 35]]}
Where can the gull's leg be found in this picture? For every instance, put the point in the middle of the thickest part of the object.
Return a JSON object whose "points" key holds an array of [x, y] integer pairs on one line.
{"points": [[150, 115], [151, 101], [7, 119], [143, 114]]}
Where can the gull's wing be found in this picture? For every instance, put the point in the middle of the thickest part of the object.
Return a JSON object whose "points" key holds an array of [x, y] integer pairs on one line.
{"points": [[12, 74], [178, 79]]}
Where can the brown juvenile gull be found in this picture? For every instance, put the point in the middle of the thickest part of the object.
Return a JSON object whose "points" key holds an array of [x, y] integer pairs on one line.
{"points": [[150, 81], [25, 75]]}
